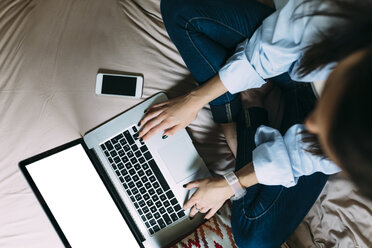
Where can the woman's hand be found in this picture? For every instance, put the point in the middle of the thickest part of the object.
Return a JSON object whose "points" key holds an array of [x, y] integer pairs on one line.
{"points": [[171, 116], [210, 196]]}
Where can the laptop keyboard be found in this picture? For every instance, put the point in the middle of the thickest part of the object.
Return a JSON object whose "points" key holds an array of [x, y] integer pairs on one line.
{"points": [[142, 180]]}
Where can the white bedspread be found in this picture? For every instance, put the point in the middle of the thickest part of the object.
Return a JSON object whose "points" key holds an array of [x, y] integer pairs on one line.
{"points": [[50, 52]]}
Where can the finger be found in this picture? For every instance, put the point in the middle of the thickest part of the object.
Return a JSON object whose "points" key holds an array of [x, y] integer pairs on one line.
{"points": [[157, 105], [149, 116], [193, 212], [191, 202], [192, 185], [156, 129], [204, 210], [211, 213], [171, 131]]}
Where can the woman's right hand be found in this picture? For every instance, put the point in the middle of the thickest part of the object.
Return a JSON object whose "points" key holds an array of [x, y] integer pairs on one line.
{"points": [[170, 116]]}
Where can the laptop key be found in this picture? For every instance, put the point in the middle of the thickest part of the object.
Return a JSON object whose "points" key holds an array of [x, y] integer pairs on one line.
{"points": [[132, 199], [121, 179], [142, 190], [144, 179], [162, 210], [169, 194], [117, 159], [163, 198], [159, 175], [139, 184], [152, 179], [103, 146], [149, 216], [159, 191], [126, 148], [146, 197], [156, 185], [170, 210], [141, 159], [153, 209], [150, 203], [138, 154], [134, 191], [130, 154], [155, 198], [181, 214], [107, 154], [145, 209], [151, 191], [174, 201], [120, 166], [123, 142], [166, 204], [177, 207], [133, 160], [128, 165], [128, 137], [156, 228], [134, 147], [152, 222], [135, 178], [151, 231], [158, 204], [113, 153], [161, 223], [131, 184], [137, 167], [109, 145], [124, 159], [145, 166], [132, 172], [141, 173], [143, 148], [112, 164], [174, 217], [125, 185], [148, 185], [142, 203], [134, 129], [124, 172], [121, 153], [156, 215], [118, 173], [116, 138], [147, 224], [117, 146], [167, 219], [138, 197], [147, 155]]}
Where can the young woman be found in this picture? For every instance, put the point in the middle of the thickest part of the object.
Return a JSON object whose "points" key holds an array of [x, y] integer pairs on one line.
{"points": [[303, 39]]}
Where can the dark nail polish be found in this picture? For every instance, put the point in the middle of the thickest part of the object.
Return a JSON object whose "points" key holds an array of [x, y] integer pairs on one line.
{"points": [[145, 111], [164, 137], [184, 185], [190, 218], [218, 212], [139, 124]]}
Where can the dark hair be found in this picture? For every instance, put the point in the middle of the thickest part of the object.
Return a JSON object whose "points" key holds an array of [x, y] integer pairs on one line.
{"points": [[351, 33], [350, 132]]}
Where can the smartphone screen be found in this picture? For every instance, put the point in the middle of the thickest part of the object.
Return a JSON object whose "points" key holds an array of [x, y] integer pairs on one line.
{"points": [[119, 85]]}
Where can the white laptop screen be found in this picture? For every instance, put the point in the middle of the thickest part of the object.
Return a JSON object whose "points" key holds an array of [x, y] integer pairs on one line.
{"points": [[79, 201]]}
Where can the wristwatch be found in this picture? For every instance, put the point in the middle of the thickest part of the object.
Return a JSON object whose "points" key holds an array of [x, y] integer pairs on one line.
{"points": [[233, 181]]}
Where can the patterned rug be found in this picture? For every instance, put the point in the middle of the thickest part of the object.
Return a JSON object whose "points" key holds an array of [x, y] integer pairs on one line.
{"points": [[214, 233]]}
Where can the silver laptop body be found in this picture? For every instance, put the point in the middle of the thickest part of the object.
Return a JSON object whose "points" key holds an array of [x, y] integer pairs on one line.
{"points": [[176, 159]]}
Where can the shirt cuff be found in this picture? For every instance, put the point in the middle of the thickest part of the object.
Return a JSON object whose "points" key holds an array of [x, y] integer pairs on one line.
{"points": [[271, 167], [238, 74]]}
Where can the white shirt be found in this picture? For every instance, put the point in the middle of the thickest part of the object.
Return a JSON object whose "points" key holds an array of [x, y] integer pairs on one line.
{"points": [[276, 47], [279, 160]]}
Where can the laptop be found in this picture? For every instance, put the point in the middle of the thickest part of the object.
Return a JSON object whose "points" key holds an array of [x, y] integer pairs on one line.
{"points": [[110, 189]]}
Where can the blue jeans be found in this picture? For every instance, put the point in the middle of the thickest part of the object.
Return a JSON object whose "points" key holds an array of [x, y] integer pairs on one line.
{"points": [[206, 33]]}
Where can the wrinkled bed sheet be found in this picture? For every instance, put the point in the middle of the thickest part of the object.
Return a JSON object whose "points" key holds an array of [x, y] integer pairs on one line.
{"points": [[50, 52]]}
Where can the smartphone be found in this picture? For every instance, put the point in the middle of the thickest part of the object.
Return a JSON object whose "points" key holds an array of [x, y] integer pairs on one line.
{"points": [[119, 85]]}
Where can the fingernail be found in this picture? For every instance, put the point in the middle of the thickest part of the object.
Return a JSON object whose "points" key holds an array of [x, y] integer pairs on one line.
{"points": [[218, 212], [145, 111], [141, 139], [139, 124], [190, 218], [184, 185], [164, 137]]}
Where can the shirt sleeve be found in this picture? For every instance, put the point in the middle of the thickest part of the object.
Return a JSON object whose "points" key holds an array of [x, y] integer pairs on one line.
{"points": [[275, 48], [279, 160]]}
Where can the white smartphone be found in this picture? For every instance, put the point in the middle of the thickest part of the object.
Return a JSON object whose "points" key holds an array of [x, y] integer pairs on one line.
{"points": [[119, 85]]}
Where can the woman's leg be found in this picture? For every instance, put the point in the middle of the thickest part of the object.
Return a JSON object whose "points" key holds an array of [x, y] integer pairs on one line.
{"points": [[206, 33], [267, 215]]}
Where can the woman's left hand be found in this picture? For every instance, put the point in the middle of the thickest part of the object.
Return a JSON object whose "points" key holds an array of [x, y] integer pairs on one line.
{"points": [[210, 196]]}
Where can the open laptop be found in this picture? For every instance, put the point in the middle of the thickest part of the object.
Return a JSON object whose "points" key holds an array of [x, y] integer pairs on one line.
{"points": [[109, 189]]}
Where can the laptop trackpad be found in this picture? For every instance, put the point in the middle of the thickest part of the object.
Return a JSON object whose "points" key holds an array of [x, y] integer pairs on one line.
{"points": [[181, 159]]}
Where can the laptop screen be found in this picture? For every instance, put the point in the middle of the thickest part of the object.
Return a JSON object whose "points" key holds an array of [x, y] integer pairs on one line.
{"points": [[79, 201]]}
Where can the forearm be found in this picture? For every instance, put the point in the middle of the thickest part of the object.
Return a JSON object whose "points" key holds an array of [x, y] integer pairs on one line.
{"points": [[208, 91]]}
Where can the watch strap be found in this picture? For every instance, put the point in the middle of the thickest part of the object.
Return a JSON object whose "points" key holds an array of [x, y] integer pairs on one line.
{"points": [[233, 181]]}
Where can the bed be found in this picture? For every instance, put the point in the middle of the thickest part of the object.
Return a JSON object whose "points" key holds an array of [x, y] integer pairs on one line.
{"points": [[50, 52]]}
